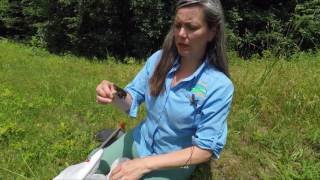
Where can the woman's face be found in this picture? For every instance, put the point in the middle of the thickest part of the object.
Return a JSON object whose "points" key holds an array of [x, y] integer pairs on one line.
{"points": [[191, 32]]}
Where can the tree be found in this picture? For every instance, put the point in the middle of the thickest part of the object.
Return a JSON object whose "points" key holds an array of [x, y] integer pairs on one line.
{"points": [[61, 25], [98, 28], [306, 24], [258, 25], [14, 20]]}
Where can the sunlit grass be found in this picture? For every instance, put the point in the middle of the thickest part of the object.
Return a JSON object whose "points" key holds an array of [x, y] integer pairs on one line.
{"points": [[48, 114]]}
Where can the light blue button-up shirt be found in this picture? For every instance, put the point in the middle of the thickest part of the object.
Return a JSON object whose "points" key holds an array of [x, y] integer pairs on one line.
{"points": [[194, 112]]}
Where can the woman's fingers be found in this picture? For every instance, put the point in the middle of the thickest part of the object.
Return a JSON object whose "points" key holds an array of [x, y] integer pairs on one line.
{"points": [[112, 88], [116, 173], [100, 91], [105, 92], [131, 169], [108, 90], [103, 100]]}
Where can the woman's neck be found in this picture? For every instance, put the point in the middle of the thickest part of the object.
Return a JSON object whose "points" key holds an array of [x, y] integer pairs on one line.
{"points": [[190, 65], [187, 67]]}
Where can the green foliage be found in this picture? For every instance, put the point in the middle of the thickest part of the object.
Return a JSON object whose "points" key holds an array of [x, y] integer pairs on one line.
{"points": [[260, 25], [306, 23], [13, 19], [122, 28], [103, 28], [283, 27], [21, 17], [3, 7], [48, 114], [151, 21], [61, 25]]}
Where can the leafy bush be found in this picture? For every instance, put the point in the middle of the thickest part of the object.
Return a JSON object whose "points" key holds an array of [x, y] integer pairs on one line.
{"points": [[122, 28], [306, 23]]}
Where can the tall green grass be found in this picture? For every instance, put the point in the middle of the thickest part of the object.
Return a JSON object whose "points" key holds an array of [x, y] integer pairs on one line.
{"points": [[48, 114]]}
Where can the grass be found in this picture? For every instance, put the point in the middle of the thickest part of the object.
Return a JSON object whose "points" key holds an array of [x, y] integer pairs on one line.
{"points": [[48, 114]]}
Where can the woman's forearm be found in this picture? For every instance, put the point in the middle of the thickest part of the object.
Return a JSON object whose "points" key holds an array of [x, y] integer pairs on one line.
{"points": [[187, 156]]}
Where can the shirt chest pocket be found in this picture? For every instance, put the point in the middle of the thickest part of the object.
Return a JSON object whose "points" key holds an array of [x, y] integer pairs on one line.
{"points": [[182, 112]]}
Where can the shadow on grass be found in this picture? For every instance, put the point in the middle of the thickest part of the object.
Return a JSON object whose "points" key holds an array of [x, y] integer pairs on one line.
{"points": [[202, 172]]}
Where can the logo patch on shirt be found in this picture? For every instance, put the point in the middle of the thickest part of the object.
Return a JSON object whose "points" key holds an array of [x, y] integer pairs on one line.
{"points": [[200, 89]]}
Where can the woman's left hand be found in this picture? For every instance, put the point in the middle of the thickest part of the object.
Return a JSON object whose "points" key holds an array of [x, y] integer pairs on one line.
{"points": [[130, 170]]}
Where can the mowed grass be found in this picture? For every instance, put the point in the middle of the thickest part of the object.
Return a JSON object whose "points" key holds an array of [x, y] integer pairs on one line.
{"points": [[48, 115]]}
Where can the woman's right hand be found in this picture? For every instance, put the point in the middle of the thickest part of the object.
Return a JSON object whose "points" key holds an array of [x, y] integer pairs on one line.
{"points": [[105, 92]]}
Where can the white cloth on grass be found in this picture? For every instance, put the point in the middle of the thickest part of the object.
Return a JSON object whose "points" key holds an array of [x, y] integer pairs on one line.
{"points": [[86, 170], [82, 170]]}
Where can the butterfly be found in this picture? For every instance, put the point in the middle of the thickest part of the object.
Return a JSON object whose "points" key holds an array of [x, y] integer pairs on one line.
{"points": [[120, 92]]}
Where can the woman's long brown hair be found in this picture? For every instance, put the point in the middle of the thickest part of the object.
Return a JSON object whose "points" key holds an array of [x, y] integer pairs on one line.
{"points": [[216, 50]]}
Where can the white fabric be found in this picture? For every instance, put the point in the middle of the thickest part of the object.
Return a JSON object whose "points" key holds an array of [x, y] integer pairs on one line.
{"points": [[82, 170], [86, 170]]}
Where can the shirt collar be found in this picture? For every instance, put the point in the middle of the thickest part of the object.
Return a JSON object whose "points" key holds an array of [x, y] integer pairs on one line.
{"points": [[175, 66]]}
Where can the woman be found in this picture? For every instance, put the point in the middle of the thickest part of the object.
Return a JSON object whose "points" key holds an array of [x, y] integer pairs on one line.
{"points": [[187, 94]]}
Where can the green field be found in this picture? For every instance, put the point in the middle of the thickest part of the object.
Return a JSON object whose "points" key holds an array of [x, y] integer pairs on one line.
{"points": [[48, 114]]}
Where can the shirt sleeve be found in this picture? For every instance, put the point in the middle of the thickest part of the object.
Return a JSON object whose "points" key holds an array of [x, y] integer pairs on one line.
{"points": [[138, 87], [211, 133]]}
